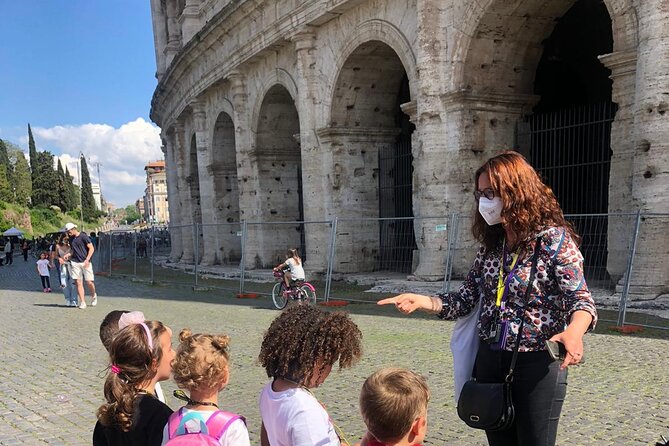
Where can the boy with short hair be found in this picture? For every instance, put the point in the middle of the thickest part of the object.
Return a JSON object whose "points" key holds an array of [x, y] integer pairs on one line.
{"points": [[393, 403]]}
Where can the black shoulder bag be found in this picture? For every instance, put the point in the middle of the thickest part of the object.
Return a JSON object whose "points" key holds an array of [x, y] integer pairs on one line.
{"points": [[489, 406]]}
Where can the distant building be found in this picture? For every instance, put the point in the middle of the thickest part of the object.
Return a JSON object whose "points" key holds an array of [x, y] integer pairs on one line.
{"points": [[139, 204], [96, 196], [156, 209]]}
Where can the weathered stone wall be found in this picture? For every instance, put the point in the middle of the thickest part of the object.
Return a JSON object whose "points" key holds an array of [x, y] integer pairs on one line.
{"points": [[313, 84]]}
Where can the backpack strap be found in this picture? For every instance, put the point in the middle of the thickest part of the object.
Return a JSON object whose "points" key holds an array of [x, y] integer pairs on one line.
{"points": [[220, 421]]}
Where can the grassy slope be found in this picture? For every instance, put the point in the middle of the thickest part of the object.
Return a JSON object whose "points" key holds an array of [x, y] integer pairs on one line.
{"points": [[42, 221]]}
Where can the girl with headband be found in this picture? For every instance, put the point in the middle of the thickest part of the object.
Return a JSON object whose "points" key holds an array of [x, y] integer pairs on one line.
{"points": [[140, 355]]}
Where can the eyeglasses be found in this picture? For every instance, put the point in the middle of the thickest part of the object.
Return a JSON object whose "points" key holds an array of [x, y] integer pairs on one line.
{"points": [[489, 193]]}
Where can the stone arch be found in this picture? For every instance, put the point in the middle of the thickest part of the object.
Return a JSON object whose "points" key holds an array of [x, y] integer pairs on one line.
{"points": [[278, 159], [280, 77], [514, 32], [226, 188], [381, 31], [367, 121], [193, 180]]}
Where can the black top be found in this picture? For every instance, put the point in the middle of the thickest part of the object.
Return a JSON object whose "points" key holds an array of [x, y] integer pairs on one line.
{"points": [[148, 422], [79, 248]]}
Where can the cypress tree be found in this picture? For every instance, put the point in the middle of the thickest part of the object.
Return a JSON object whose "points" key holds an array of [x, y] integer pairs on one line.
{"points": [[32, 153], [71, 190], [5, 170], [45, 184], [62, 192], [87, 200]]}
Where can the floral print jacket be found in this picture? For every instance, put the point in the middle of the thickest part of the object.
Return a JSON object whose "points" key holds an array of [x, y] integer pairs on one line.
{"points": [[559, 290]]}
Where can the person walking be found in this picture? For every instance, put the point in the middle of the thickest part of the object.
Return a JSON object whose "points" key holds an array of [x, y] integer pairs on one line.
{"points": [[24, 249], [521, 228], [9, 252], [80, 261]]}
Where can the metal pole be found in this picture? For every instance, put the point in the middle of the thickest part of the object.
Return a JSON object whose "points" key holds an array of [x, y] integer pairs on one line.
{"points": [[134, 253], [456, 230], [111, 235], [242, 265], [622, 307], [447, 261], [81, 188], [152, 259], [196, 249], [333, 245]]}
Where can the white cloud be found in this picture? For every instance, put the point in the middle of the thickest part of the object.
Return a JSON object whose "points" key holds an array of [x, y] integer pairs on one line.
{"points": [[122, 153]]}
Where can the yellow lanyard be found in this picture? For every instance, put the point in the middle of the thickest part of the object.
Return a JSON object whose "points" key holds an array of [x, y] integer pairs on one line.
{"points": [[340, 433], [500, 278]]}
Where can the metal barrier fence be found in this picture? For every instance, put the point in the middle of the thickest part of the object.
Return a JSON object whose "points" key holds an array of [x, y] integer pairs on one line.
{"points": [[625, 257]]}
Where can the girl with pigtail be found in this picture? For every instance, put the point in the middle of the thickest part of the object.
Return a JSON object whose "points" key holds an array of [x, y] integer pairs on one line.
{"points": [[201, 367], [140, 356]]}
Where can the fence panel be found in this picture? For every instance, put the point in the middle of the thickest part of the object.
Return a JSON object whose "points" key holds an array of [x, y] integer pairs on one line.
{"points": [[219, 255], [645, 297], [265, 246], [391, 249]]}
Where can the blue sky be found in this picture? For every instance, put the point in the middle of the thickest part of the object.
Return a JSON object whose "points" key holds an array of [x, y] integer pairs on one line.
{"points": [[82, 72]]}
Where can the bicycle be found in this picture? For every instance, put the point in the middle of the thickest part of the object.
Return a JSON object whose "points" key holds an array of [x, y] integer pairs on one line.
{"points": [[301, 291]]}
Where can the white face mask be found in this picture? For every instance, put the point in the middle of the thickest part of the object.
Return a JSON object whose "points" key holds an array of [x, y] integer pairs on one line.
{"points": [[491, 210]]}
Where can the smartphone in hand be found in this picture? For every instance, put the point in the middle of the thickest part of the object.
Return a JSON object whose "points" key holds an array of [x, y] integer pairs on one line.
{"points": [[558, 351]]}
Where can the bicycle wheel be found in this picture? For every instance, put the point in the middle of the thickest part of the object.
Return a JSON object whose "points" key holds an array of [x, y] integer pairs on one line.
{"points": [[280, 301], [308, 295]]}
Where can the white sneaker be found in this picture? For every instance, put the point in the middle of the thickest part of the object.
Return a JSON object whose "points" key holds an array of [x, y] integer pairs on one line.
{"points": [[82, 305], [95, 300]]}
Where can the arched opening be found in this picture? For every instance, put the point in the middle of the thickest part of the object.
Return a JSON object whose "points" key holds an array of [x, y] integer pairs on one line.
{"points": [[377, 161], [280, 175], [534, 68], [193, 180], [226, 190], [570, 129]]}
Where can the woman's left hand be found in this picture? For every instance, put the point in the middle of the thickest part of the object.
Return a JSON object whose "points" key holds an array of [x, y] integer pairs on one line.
{"points": [[573, 342]]}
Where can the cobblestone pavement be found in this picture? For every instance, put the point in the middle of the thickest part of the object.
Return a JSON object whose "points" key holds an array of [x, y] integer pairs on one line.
{"points": [[53, 366]]}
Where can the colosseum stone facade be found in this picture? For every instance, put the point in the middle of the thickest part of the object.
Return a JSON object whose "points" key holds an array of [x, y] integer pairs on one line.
{"points": [[300, 110]]}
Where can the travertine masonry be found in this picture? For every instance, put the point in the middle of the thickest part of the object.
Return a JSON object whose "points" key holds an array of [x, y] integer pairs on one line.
{"points": [[277, 110]]}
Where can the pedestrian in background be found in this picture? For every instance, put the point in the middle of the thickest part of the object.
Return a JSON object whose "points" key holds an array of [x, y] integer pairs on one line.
{"points": [[24, 248], [80, 259], [9, 251], [43, 271]]}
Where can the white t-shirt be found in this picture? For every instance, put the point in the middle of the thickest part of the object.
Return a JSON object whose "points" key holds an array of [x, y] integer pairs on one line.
{"points": [[296, 271], [235, 435], [295, 418], [43, 267]]}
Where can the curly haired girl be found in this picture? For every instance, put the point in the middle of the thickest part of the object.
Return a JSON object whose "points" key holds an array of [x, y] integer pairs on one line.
{"points": [[140, 356], [202, 368], [298, 352]]}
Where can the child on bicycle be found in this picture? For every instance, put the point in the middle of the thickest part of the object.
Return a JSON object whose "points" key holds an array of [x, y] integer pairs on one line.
{"points": [[292, 268], [298, 352]]}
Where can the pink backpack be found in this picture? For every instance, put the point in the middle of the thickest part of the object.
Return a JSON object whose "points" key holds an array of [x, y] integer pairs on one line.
{"points": [[210, 431]]}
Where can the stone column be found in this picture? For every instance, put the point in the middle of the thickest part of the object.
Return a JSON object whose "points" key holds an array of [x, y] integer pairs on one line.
{"points": [[247, 168], [173, 33], [651, 161], [190, 20], [316, 189], [623, 73], [206, 183], [186, 208], [354, 184], [173, 200], [159, 19]]}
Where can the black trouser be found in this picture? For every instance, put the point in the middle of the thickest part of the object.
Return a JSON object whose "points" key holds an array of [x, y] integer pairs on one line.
{"points": [[539, 389], [45, 281], [25, 255], [8, 258]]}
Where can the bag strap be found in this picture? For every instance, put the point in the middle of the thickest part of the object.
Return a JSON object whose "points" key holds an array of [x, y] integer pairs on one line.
{"points": [[220, 421], [528, 292], [215, 426]]}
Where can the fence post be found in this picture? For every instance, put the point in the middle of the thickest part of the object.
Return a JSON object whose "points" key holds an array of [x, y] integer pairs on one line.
{"points": [[333, 244], [111, 236], [447, 260], [622, 306], [453, 237], [242, 266], [134, 253], [196, 248], [152, 258]]}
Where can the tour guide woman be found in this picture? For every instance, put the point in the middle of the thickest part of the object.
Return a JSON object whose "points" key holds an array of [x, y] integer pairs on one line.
{"points": [[515, 210]]}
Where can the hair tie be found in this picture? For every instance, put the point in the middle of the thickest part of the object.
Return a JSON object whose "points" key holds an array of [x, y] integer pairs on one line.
{"points": [[115, 369], [136, 317]]}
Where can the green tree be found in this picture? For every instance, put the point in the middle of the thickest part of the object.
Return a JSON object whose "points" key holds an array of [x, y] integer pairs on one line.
{"points": [[45, 183], [32, 153], [131, 214], [71, 191], [87, 200], [5, 169], [62, 189], [20, 176]]}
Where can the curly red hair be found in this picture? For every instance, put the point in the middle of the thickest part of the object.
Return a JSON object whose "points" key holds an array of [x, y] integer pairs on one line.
{"points": [[529, 205]]}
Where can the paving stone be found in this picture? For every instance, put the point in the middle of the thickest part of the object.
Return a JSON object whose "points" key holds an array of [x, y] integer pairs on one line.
{"points": [[54, 366]]}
